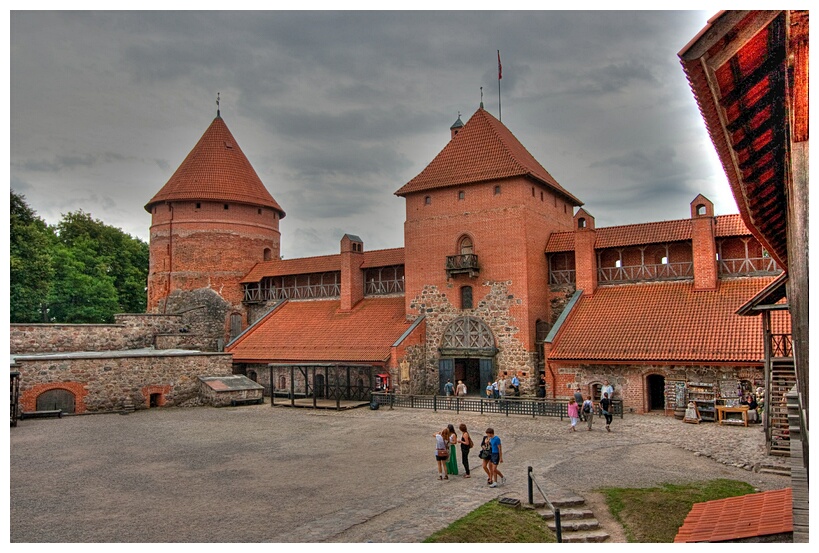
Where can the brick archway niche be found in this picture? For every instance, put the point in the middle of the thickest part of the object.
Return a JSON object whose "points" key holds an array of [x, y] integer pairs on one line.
{"points": [[468, 349]]}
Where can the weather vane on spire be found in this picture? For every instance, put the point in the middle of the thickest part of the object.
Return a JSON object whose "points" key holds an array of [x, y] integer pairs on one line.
{"points": [[217, 105], [481, 97]]}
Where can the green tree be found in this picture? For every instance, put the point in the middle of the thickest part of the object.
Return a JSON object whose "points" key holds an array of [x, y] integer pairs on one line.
{"points": [[82, 291], [30, 245], [108, 256]]}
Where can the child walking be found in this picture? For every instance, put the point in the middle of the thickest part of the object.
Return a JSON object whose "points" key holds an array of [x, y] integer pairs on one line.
{"points": [[574, 414]]}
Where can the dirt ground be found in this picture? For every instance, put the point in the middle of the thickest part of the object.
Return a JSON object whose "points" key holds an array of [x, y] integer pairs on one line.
{"points": [[262, 474]]}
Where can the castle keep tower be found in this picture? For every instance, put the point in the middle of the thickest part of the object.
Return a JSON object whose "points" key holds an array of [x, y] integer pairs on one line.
{"points": [[477, 218], [211, 222]]}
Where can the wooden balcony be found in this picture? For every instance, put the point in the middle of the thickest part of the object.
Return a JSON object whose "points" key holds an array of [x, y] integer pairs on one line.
{"points": [[466, 264]]}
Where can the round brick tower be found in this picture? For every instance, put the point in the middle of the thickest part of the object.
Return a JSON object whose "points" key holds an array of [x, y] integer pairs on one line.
{"points": [[211, 222]]}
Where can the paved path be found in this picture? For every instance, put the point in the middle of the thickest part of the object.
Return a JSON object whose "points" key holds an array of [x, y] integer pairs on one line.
{"points": [[262, 474]]}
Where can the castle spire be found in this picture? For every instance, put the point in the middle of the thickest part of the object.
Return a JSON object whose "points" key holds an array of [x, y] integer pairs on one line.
{"points": [[217, 105]]}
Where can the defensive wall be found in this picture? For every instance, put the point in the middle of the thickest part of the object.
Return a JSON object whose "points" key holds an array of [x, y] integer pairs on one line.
{"points": [[119, 380]]}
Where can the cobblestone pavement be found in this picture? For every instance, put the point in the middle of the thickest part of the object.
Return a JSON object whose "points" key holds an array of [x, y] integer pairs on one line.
{"points": [[262, 474]]}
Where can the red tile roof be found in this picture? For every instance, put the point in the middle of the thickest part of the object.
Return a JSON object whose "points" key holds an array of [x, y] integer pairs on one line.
{"points": [[663, 321], [746, 516], [483, 150], [216, 170], [315, 331], [648, 233], [322, 264]]}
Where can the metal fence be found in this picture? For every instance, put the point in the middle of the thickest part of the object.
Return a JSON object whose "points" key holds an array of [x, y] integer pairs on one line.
{"points": [[531, 407]]}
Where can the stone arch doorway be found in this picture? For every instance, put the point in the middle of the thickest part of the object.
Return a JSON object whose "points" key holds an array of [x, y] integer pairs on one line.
{"points": [[467, 353], [56, 398], [655, 392]]}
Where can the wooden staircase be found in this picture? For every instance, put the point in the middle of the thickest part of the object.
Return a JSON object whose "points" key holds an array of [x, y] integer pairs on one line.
{"points": [[783, 379]]}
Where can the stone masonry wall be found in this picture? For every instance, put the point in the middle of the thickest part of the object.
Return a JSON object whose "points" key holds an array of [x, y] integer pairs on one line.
{"points": [[494, 310], [110, 383], [629, 381], [131, 331]]}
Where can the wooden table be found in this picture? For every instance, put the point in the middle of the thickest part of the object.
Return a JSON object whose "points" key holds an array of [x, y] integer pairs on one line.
{"points": [[722, 409]]}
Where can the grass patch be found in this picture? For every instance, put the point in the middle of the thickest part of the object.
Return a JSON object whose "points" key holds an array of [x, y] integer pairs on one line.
{"points": [[654, 515], [495, 523]]}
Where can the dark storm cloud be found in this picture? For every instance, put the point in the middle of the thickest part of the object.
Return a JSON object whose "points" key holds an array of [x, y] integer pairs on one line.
{"points": [[337, 110]]}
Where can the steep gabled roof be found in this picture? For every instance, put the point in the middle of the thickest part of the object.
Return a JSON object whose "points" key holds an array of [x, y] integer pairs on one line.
{"points": [[647, 233], [216, 169], [665, 321], [322, 264], [315, 331], [483, 150], [745, 516]]}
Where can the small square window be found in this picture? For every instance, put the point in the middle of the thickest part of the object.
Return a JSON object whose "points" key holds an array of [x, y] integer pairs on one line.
{"points": [[541, 195], [461, 195], [198, 205], [497, 190], [427, 200], [259, 211], [226, 206]]}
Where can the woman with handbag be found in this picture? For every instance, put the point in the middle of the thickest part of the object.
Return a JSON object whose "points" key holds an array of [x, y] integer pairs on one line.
{"points": [[442, 452], [485, 455], [452, 462], [466, 445]]}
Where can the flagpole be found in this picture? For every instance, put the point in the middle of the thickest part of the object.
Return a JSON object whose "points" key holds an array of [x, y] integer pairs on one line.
{"points": [[500, 76]]}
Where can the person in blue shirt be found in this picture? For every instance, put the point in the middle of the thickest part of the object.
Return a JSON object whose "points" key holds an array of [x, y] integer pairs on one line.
{"points": [[449, 388], [495, 459], [516, 384]]}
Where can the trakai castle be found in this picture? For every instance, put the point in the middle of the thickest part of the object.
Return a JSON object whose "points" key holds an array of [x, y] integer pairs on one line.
{"points": [[502, 273]]}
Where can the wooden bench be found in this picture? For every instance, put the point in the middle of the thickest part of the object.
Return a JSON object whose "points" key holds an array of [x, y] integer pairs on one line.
{"points": [[41, 414]]}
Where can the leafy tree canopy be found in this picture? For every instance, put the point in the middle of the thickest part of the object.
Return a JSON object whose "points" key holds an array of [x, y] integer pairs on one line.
{"points": [[78, 271]]}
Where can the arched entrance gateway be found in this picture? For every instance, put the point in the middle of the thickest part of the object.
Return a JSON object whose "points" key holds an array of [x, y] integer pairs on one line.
{"points": [[467, 353]]}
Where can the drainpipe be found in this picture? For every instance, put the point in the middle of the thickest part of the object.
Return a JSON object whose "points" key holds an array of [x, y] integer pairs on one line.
{"points": [[170, 259]]}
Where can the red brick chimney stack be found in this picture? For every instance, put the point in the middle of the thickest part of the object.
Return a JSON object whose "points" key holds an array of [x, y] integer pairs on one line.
{"points": [[585, 258], [352, 281], [703, 244]]}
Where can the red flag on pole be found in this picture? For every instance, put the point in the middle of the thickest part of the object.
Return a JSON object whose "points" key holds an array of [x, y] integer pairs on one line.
{"points": [[500, 74]]}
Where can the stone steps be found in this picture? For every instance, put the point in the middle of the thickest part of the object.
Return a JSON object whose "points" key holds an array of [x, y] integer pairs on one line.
{"points": [[577, 523]]}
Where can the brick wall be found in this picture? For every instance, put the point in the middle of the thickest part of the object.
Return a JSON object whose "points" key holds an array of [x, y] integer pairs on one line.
{"points": [[110, 383], [630, 381], [208, 247]]}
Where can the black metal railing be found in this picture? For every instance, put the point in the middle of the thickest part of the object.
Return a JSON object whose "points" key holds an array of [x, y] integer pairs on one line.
{"points": [[532, 483], [531, 407]]}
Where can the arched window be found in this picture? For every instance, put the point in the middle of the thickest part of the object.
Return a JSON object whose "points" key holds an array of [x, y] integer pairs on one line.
{"points": [[465, 246], [282, 382], [268, 254], [701, 209], [581, 223]]}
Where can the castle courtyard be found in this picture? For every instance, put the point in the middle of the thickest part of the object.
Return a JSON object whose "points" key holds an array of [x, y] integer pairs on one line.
{"points": [[262, 474]]}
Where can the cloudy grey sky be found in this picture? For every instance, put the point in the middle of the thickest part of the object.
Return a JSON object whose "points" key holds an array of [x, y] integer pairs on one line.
{"points": [[337, 110]]}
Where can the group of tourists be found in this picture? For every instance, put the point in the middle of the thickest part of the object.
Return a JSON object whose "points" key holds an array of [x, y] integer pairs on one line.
{"points": [[491, 454], [503, 387], [581, 409]]}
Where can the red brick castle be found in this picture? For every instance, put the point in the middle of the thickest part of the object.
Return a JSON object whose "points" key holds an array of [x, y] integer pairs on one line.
{"points": [[499, 275]]}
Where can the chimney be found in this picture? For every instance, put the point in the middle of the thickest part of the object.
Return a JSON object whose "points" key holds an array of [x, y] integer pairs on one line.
{"points": [[585, 259], [703, 244], [352, 281]]}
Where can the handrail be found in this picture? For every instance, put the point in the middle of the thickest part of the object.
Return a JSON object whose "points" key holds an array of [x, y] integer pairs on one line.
{"points": [[532, 483]]}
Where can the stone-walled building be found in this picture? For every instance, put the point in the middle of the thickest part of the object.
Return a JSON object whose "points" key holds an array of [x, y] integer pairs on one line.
{"points": [[502, 273]]}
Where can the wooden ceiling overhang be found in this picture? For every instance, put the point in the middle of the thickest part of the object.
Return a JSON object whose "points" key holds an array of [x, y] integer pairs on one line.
{"points": [[739, 69]]}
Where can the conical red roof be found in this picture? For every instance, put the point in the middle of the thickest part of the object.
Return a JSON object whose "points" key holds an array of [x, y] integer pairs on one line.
{"points": [[216, 170], [483, 150]]}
